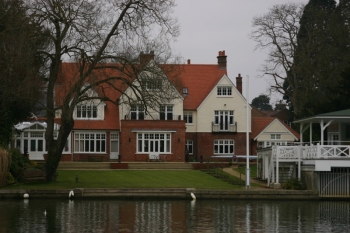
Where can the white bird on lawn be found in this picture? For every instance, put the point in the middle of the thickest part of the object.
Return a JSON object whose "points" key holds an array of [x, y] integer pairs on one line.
{"points": [[45, 212]]}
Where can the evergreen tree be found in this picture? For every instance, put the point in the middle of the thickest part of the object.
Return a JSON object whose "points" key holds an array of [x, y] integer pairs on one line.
{"points": [[320, 57], [20, 83], [262, 102]]}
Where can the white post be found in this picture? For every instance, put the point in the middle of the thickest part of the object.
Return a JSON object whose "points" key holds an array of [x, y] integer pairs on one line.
{"points": [[310, 133], [322, 128], [247, 172]]}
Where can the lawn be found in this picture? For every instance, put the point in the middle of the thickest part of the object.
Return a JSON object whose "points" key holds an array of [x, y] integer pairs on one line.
{"points": [[130, 179], [252, 169]]}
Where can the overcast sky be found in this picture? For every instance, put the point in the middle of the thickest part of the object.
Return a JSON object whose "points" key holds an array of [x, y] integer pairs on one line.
{"points": [[210, 26]]}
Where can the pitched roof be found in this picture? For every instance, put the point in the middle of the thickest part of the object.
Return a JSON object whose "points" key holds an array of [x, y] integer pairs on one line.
{"points": [[199, 80], [260, 123]]}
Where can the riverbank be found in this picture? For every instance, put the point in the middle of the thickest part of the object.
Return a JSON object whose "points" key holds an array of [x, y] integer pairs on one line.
{"points": [[167, 193]]}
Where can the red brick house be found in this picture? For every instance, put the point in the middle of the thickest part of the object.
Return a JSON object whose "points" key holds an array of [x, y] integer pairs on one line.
{"points": [[204, 116]]}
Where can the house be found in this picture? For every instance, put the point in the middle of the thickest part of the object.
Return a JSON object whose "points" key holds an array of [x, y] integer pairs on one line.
{"points": [[322, 165], [201, 114]]}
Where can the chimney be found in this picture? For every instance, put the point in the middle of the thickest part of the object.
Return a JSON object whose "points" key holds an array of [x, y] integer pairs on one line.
{"points": [[189, 62], [239, 83], [222, 62], [145, 58]]}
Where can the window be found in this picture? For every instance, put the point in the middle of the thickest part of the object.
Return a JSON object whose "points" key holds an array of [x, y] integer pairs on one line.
{"points": [[188, 117], [85, 111], [137, 112], [90, 142], [184, 90], [224, 91], [224, 119], [275, 136], [223, 146], [166, 112], [189, 146], [154, 84], [153, 142]]}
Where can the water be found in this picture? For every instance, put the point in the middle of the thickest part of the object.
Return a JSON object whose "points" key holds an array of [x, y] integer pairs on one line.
{"points": [[173, 216]]}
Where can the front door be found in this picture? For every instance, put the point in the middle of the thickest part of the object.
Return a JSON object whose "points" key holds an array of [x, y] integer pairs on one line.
{"points": [[114, 145]]}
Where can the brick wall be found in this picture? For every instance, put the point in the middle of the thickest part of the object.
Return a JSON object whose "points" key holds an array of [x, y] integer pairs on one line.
{"points": [[204, 144], [128, 140]]}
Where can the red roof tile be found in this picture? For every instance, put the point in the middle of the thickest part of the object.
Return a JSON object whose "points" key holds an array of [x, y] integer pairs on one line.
{"points": [[199, 80]]}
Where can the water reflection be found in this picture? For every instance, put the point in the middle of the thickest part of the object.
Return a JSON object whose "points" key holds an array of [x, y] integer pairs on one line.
{"points": [[173, 216]]}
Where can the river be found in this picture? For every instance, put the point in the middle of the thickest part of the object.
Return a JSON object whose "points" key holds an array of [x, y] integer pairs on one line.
{"points": [[58, 215]]}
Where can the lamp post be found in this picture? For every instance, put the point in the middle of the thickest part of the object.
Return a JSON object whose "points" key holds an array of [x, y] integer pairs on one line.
{"points": [[247, 172]]}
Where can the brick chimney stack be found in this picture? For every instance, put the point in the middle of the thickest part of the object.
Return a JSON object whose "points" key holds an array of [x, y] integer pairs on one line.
{"points": [[239, 83], [145, 58], [222, 61]]}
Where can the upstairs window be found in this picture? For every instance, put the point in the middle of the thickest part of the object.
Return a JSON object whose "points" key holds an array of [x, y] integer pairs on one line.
{"points": [[275, 136], [166, 112], [137, 112], [224, 91], [188, 117], [151, 85], [224, 119], [84, 111]]}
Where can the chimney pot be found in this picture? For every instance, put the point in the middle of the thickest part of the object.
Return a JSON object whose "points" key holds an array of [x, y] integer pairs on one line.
{"points": [[188, 61]]}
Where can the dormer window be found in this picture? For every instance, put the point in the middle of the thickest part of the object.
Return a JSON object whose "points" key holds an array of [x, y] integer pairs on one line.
{"points": [[184, 90], [224, 91], [85, 111]]}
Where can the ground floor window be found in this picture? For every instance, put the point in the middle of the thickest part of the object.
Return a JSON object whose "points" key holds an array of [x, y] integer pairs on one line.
{"points": [[223, 146], [90, 142], [189, 146], [154, 142]]}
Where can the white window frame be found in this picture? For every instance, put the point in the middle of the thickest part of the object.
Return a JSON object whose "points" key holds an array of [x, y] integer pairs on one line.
{"points": [[138, 110], [149, 142], [90, 142], [224, 146], [275, 136], [86, 111], [27, 136], [167, 110], [224, 119], [188, 117], [189, 146], [153, 84], [114, 137], [224, 90]]}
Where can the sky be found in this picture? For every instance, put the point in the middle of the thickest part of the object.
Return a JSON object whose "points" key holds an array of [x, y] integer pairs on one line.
{"points": [[210, 26]]}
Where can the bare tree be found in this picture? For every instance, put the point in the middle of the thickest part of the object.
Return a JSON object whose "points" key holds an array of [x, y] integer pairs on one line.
{"points": [[277, 31], [104, 39]]}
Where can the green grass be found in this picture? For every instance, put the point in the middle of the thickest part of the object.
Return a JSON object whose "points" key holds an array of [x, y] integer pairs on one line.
{"points": [[130, 179], [252, 169]]}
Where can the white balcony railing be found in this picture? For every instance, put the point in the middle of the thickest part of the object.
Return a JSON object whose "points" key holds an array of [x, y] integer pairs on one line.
{"points": [[310, 152]]}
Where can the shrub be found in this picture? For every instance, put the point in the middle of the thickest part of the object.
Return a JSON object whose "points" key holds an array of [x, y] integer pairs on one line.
{"points": [[293, 183], [18, 163]]}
